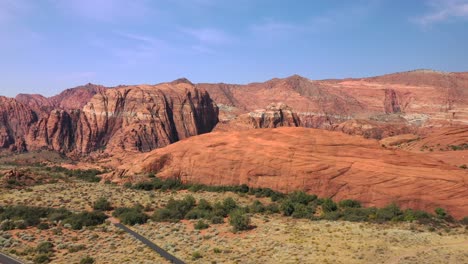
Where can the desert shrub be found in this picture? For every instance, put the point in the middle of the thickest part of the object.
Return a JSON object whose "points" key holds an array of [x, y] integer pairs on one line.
{"points": [[287, 207], [196, 255], [272, 208], [349, 204], [127, 185], [257, 207], [229, 204], [239, 220], [175, 210], [59, 214], [30, 215], [390, 212], [131, 215], [201, 225], [217, 220], [328, 205], [43, 226], [87, 260], [357, 214], [197, 213], [332, 215], [77, 221], [204, 205], [41, 259], [146, 186], [45, 247], [102, 204], [301, 197], [76, 248], [440, 213], [303, 211]]}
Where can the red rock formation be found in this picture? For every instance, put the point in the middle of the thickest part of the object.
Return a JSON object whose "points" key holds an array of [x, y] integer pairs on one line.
{"points": [[326, 163], [136, 118], [422, 98], [15, 120], [274, 115]]}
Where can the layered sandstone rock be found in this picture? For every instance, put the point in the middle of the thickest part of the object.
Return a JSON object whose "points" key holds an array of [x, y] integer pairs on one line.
{"points": [[15, 120], [89, 118], [422, 98], [329, 164], [274, 115]]}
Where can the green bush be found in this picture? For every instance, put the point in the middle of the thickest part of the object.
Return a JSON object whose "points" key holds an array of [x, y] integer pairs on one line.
{"points": [[328, 205], [239, 220], [77, 221], [287, 207], [131, 215], [272, 208], [390, 212], [175, 210], [41, 259], [440, 213], [229, 205], [201, 225], [349, 204], [354, 214], [102, 204], [332, 215], [303, 211], [301, 197], [257, 207], [45, 247], [87, 260], [217, 220], [43, 226]]}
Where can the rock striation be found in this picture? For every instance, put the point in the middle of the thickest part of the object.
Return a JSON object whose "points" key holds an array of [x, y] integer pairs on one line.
{"points": [[326, 163], [89, 118]]}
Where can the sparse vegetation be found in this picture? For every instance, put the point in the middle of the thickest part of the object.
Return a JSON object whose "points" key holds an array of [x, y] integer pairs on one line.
{"points": [[87, 260], [102, 204], [131, 215]]}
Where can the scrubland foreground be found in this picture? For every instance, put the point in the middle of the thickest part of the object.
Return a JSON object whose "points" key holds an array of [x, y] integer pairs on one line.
{"points": [[203, 224]]}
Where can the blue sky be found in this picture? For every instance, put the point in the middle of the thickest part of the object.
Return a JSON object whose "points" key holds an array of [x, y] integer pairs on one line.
{"points": [[49, 45]]}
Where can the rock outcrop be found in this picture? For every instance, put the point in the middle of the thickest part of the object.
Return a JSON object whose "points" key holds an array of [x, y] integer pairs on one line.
{"points": [[90, 118], [329, 164], [274, 115], [422, 98]]}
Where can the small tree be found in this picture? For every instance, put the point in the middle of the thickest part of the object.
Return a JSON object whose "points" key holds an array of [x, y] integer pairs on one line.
{"points": [[102, 204], [239, 220], [329, 205], [440, 212], [87, 260]]}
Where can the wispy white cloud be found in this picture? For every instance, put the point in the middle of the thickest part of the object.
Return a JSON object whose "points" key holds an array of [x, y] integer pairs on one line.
{"points": [[106, 10], [443, 10], [130, 49], [344, 16], [208, 36]]}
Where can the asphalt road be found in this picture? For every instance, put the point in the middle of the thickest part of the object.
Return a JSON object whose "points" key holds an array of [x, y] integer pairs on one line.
{"points": [[4, 259], [150, 244]]}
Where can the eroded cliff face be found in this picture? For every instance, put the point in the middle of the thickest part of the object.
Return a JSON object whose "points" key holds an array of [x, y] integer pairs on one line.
{"points": [[127, 118], [15, 120]]}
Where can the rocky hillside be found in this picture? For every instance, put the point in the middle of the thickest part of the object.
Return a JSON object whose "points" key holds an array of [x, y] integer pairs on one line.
{"points": [[88, 118], [329, 164], [410, 99]]}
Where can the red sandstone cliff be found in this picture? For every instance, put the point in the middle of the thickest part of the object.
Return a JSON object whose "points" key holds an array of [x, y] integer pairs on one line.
{"points": [[89, 118]]}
